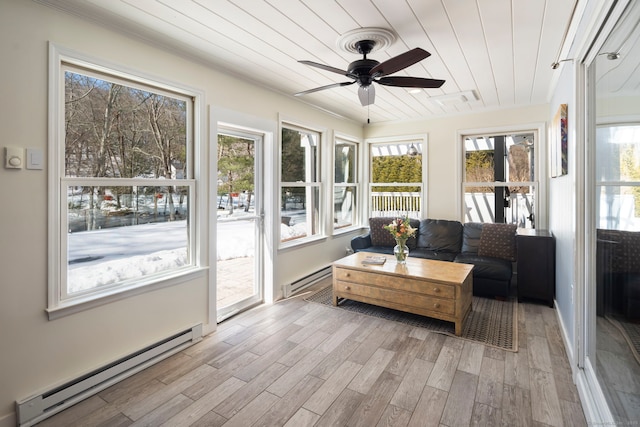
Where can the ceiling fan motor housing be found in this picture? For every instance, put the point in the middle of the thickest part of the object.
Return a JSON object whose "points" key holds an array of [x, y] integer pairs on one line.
{"points": [[360, 70]]}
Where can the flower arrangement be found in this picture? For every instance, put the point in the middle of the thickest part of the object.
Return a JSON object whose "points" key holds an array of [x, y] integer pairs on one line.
{"points": [[401, 230]]}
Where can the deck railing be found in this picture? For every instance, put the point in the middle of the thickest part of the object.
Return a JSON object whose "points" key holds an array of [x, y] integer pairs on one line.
{"points": [[396, 204]]}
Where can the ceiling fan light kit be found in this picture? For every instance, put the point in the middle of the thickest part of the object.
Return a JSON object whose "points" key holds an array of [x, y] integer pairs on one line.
{"points": [[367, 71]]}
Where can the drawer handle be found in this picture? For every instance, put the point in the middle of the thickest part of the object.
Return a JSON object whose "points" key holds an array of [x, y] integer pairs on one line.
{"points": [[347, 288], [436, 305], [436, 290], [347, 275]]}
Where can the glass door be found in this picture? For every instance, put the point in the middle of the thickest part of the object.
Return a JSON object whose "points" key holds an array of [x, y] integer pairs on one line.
{"points": [[613, 307], [239, 229]]}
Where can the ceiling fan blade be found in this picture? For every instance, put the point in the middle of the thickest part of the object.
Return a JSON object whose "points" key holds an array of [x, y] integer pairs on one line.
{"points": [[367, 95], [324, 87], [399, 62], [325, 67], [410, 82]]}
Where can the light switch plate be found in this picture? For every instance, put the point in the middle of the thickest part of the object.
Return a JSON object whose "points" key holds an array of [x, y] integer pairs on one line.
{"points": [[35, 158], [14, 157]]}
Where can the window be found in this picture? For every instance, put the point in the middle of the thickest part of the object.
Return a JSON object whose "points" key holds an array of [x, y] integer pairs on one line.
{"points": [[618, 177], [345, 184], [299, 184], [123, 183], [499, 182], [396, 172]]}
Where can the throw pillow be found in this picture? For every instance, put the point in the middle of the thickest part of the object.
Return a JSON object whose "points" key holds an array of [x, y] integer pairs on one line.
{"points": [[498, 241], [380, 236]]}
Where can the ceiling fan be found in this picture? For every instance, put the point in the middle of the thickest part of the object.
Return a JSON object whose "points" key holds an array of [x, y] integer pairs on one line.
{"points": [[367, 71]]}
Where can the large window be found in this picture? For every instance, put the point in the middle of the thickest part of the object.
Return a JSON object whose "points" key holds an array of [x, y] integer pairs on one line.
{"points": [[396, 179], [499, 180], [345, 184], [299, 184], [123, 187], [618, 177]]}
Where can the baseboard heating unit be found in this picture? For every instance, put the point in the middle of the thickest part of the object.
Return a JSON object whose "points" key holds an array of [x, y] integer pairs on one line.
{"points": [[291, 288], [36, 408]]}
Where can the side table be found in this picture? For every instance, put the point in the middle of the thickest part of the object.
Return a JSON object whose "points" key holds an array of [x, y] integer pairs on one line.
{"points": [[536, 265]]}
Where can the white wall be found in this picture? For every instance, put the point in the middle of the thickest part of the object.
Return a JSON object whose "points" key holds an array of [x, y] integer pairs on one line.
{"points": [[563, 207], [37, 353]]}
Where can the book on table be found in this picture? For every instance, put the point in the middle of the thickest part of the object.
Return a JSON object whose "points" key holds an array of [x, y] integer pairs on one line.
{"points": [[374, 260]]}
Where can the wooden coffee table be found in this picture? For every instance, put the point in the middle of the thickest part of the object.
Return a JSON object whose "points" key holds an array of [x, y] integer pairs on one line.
{"points": [[437, 289]]}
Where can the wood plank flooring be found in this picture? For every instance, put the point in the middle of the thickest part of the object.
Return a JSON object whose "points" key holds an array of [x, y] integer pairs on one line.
{"points": [[296, 363]]}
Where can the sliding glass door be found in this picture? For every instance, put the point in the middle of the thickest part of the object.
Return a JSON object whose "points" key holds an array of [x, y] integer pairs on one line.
{"points": [[612, 307]]}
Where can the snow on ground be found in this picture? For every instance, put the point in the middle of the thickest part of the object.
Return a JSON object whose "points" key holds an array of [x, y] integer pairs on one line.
{"points": [[111, 255]]}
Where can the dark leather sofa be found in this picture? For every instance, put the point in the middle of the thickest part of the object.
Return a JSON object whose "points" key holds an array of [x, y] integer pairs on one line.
{"points": [[492, 252]]}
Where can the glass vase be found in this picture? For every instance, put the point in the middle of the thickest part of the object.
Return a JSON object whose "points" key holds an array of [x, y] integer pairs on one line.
{"points": [[401, 252]]}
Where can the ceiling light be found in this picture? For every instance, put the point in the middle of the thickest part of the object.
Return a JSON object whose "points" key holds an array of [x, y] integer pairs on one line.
{"points": [[415, 90]]}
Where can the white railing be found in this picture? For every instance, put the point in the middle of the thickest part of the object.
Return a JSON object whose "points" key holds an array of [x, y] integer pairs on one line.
{"points": [[396, 204]]}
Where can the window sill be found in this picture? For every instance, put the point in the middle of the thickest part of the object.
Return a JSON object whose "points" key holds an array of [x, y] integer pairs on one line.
{"points": [[66, 308], [347, 230], [301, 242]]}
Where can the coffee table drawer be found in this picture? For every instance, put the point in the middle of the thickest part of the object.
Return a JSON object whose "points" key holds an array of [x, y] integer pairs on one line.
{"points": [[417, 286], [371, 294]]}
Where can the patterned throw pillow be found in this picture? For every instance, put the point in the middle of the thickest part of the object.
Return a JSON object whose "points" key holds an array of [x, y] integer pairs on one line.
{"points": [[498, 241], [380, 236]]}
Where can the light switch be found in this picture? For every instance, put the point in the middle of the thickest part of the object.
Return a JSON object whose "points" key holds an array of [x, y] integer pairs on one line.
{"points": [[13, 157], [35, 158]]}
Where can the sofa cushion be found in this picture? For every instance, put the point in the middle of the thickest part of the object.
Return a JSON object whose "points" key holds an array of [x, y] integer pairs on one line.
{"points": [[429, 254], [487, 267], [380, 249], [440, 235], [498, 241], [381, 237], [471, 237]]}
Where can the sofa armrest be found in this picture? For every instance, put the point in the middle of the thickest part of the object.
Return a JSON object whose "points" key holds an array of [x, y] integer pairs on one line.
{"points": [[361, 242]]}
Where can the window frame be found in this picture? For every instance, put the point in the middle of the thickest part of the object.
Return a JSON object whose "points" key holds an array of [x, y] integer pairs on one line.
{"points": [[499, 184], [600, 184], [59, 303], [317, 184], [540, 167], [404, 140], [356, 185]]}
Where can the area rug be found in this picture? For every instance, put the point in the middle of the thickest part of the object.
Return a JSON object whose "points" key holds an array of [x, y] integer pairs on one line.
{"points": [[631, 333], [491, 322]]}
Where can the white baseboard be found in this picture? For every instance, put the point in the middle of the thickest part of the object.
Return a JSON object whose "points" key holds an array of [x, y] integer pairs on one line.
{"points": [[595, 409]]}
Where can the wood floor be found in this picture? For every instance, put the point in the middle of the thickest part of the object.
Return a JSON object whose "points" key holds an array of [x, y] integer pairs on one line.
{"points": [[296, 363]]}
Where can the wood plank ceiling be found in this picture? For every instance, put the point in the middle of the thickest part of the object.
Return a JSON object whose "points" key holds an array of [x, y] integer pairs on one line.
{"points": [[500, 50]]}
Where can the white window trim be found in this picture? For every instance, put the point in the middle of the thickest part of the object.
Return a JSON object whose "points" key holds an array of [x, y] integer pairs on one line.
{"points": [[56, 306], [423, 139], [321, 179]]}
